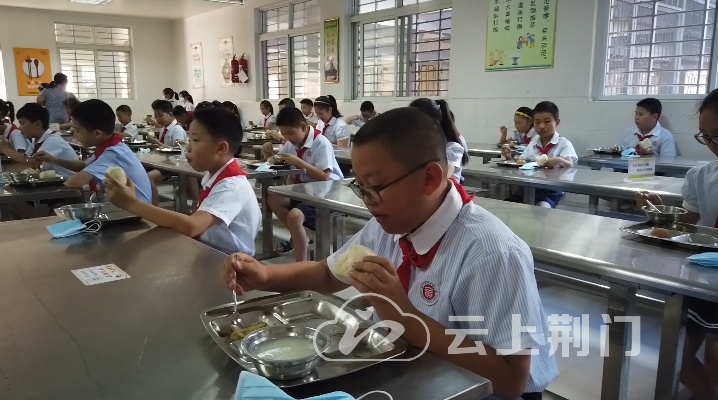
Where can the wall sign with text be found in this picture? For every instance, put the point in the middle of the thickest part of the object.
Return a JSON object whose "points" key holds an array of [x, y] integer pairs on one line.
{"points": [[32, 67], [521, 34], [331, 50]]}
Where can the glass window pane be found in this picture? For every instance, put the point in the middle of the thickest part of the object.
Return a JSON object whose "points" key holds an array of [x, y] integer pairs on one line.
{"points": [[376, 51], [306, 13], [306, 66], [275, 20], [276, 73], [365, 6], [428, 44]]}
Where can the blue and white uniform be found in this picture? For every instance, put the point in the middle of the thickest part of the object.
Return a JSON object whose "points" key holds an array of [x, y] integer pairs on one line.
{"points": [[335, 130], [130, 129], [120, 155], [559, 146], [519, 137], [55, 145], [662, 142], [173, 132], [17, 141], [318, 152]]}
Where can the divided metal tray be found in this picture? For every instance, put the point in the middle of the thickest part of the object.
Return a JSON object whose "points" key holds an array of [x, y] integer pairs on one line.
{"points": [[687, 236], [59, 180], [607, 150], [310, 309], [513, 164]]}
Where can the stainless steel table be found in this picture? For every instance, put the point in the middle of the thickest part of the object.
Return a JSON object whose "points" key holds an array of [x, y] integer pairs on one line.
{"points": [[674, 166], [175, 165], [595, 184], [580, 243], [487, 151], [142, 338], [12, 194]]}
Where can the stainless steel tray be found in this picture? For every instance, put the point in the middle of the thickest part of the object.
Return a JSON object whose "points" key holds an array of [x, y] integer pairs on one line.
{"points": [[59, 180], [310, 309], [606, 151], [513, 164], [687, 236]]}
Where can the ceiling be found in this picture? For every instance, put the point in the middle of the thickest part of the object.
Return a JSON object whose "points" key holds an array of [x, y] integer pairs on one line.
{"points": [[163, 9]]}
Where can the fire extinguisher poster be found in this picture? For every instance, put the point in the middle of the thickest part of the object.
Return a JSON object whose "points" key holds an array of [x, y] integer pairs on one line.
{"points": [[331, 50], [226, 52], [32, 68], [197, 65]]}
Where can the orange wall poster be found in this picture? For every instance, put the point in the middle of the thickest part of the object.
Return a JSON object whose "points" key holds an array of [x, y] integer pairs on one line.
{"points": [[32, 67]]}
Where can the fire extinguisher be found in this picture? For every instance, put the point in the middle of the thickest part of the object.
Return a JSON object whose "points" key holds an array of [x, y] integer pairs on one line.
{"points": [[243, 70], [235, 69]]}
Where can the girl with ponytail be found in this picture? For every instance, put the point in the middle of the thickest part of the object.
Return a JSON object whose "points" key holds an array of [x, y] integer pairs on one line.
{"points": [[335, 129]]}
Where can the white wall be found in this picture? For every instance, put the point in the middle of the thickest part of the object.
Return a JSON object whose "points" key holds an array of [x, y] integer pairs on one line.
{"points": [[153, 51], [482, 101]]}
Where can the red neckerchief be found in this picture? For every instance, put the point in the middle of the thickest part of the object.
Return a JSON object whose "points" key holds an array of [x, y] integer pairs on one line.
{"points": [[411, 258], [265, 120], [640, 139], [162, 138], [548, 148], [233, 169], [37, 145], [113, 140], [300, 152], [326, 126], [527, 139], [12, 128], [6, 121]]}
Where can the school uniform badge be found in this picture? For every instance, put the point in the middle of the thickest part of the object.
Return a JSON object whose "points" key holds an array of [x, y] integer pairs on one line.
{"points": [[309, 153], [429, 292]]}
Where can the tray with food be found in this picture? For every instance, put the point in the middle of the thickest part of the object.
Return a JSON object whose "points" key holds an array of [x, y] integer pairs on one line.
{"points": [[664, 227], [4, 158], [613, 150], [513, 164], [31, 179], [167, 150], [291, 338]]}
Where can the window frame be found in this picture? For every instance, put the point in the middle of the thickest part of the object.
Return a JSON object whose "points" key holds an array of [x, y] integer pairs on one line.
{"points": [[288, 34], [105, 48], [396, 13], [603, 16]]}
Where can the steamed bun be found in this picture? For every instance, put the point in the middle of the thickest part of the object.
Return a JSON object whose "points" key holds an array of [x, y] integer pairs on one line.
{"points": [[541, 160], [645, 144], [117, 173], [355, 253], [50, 174]]}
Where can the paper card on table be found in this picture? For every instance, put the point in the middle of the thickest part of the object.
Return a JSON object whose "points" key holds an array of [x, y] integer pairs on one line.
{"points": [[641, 168], [100, 274]]}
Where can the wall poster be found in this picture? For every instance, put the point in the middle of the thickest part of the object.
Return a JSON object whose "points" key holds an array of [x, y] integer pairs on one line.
{"points": [[195, 51], [226, 52], [32, 67], [521, 34], [331, 50]]}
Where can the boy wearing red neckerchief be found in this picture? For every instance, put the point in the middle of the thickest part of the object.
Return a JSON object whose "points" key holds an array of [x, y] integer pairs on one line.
{"points": [[228, 215], [440, 257]]}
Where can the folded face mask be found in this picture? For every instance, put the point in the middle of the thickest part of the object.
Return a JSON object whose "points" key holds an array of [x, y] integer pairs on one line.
{"points": [[253, 387], [72, 227], [529, 166], [265, 167], [629, 153], [705, 259]]}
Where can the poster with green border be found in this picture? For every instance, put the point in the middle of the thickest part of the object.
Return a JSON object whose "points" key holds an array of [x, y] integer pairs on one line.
{"points": [[331, 50], [521, 34]]}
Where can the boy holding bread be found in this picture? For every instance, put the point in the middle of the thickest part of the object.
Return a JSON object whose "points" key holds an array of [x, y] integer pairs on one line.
{"points": [[439, 257], [94, 126]]}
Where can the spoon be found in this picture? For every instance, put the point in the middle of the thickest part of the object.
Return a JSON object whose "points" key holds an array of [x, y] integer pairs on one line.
{"points": [[89, 201], [656, 209], [234, 316]]}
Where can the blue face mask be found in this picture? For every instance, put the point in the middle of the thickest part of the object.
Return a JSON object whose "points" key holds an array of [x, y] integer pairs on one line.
{"points": [[629, 153], [252, 387], [265, 167], [72, 227], [705, 259]]}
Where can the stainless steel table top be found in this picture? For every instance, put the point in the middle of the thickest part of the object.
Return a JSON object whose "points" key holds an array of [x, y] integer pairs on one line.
{"points": [[172, 163], [14, 194], [577, 180], [142, 338], [664, 164], [578, 242]]}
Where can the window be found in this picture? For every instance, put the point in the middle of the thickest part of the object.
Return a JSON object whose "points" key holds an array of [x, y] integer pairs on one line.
{"points": [[406, 54], [96, 60], [658, 48], [366, 6], [290, 43]]}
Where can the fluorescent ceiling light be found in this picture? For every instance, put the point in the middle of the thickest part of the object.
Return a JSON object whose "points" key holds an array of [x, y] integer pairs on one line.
{"points": [[227, 1], [95, 2]]}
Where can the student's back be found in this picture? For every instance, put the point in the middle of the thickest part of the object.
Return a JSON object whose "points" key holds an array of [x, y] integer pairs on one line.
{"points": [[122, 156]]}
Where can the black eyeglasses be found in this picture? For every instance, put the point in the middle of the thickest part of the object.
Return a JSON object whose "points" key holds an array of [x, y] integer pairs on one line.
{"points": [[705, 140], [373, 193]]}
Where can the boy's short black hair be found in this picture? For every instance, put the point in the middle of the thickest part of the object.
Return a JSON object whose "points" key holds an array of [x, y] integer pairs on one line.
{"points": [[651, 105], [162, 105], [220, 124], [419, 140], [94, 115], [307, 102], [367, 106], [124, 109], [179, 110], [547, 107], [34, 112], [290, 117], [287, 102]]}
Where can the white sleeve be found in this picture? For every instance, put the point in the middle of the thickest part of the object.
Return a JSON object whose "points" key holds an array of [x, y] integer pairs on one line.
{"points": [[690, 196], [668, 144], [286, 148], [567, 150], [222, 202], [189, 107], [320, 124], [272, 119], [179, 134], [454, 154], [365, 237], [341, 131], [132, 130], [323, 155]]}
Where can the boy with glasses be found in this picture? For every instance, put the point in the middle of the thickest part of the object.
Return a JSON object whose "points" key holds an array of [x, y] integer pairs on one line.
{"points": [[306, 148], [440, 258]]}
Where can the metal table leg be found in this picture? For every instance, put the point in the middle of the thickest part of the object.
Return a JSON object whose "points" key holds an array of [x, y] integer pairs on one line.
{"points": [[493, 190], [615, 367], [182, 195], [593, 205], [323, 235], [487, 159], [670, 356], [267, 229], [530, 195]]}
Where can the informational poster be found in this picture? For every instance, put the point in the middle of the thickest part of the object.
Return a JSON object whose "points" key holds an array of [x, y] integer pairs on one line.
{"points": [[32, 67], [331, 50], [521, 34], [100, 274], [226, 52], [195, 51]]}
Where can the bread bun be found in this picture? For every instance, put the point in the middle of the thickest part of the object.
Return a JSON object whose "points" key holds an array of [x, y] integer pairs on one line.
{"points": [[117, 173], [541, 160], [661, 233], [48, 174], [345, 262]]}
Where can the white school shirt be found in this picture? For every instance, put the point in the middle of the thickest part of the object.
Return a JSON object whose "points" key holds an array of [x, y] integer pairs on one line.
{"points": [[662, 140], [120, 155], [562, 148], [518, 137], [130, 129], [233, 202], [267, 119], [480, 269], [189, 107], [700, 193], [319, 154], [17, 140], [312, 118], [335, 131], [454, 155], [55, 145], [361, 121], [175, 131]]}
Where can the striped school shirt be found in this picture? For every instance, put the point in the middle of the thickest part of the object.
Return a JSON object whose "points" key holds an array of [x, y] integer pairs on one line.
{"points": [[700, 193], [481, 269]]}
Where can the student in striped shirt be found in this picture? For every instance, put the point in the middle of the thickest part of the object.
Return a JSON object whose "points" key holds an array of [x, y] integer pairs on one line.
{"points": [[439, 256], [700, 198]]}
